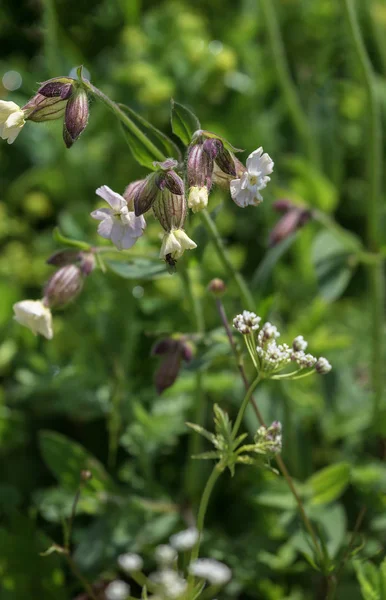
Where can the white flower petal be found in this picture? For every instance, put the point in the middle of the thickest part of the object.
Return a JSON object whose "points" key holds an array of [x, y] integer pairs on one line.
{"points": [[115, 200], [184, 240], [117, 233], [11, 120], [128, 239], [100, 214], [170, 245], [34, 315], [7, 108], [105, 227], [253, 161]]}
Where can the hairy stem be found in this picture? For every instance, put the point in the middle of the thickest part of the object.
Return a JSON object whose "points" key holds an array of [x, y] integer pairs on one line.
{"points": [[283, 469], [374, 166], [214, 235], [286, 83]]}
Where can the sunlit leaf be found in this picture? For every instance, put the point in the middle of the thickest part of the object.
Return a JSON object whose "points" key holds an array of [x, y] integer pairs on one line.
{"points": [[184, 122], [329, 483]]}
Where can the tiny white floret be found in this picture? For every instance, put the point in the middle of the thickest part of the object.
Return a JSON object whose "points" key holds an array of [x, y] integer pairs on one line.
{"points": [[165, 554], [212, 570], [35, 315], [184, 540], [117, 590], [246, 189], [118, 223], [130, 562], [12, 120]]}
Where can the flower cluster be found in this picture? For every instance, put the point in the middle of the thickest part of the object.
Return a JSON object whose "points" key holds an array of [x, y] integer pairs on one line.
{"points": [[269, 439], [168, 582], [270, 357], [62, 287]]}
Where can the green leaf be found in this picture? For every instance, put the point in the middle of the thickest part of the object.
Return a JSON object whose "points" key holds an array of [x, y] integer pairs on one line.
{"points": [[137, 268], [65, 241], [329, 484], [334, 265], [184, 122], [273, 255], [310, 183], [66, 459], [151, 144], [368, 578]]}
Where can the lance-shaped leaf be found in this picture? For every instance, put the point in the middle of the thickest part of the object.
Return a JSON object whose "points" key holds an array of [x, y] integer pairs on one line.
{"points": [[147, 143], [184, 122]]}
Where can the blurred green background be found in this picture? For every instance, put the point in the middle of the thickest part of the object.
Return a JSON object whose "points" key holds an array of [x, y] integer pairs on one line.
{"points": [[93, 383]]}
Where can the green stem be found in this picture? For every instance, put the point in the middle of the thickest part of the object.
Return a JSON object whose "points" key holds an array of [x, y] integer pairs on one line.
{"points": [[86, 585], [214, 235], [203, 507], [286, 83], [244, 405], [120, 114], [374, 166]]}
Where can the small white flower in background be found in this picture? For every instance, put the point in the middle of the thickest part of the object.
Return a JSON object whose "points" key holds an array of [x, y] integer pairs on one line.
{"points": [[269, 439], [171, 585], [118, 223], [198, 198], [117, 590], [212, 570], [165, 554], [175, 242], [11, 120], [130, 562], [184, 540], [35, 315], [246, 189]]}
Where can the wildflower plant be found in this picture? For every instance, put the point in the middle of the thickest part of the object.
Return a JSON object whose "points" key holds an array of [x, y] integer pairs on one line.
{"points": [[177, 186]]}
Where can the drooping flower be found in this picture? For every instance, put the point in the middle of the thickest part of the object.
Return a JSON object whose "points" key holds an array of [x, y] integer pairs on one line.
{"points": [[212, 570], [12, 120], [174, 244], [246, 189], [118, 223], [35, 315]]}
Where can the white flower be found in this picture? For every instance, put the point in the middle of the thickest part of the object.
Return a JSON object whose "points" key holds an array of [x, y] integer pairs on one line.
{"points": [[246, 189], [184, 540], [34, 315], [11, 120], [299, 344], [130, 562], [169, 583], [198, 198], [165, 554], [117, 590], [212, 570], [175, 242], [118, 224], [322, 366]]}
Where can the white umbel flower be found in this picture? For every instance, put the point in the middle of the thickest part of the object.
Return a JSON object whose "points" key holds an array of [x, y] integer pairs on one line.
{"points": [[170, 585], [198, 198], [130, 562], [165, 554], [118, 223], [213, 571], [184, 540], [117, 590], [175, 242], [34, 315], [11, 120], [246, 189]]}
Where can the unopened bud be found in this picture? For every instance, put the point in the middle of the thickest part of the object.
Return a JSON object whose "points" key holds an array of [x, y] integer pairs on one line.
{"points": [[130, 192], [63, 286], [199, 166], [76, 117], [87, 262], [145, 194], [85, 475], [170, 210], [222, 157], [57, 87], [64, 257], [217, 287], [40, 108], [322, 366]]}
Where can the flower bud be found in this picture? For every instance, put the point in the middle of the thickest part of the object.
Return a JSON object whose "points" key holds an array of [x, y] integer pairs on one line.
{"points": [[130, 192], [40, 108], [217, 287], [85, 475], [145, 194], [173, 351], [57, 87], [63, 257], [291, 221], [76, 117], [322, 366], [223, 158], [63, 286]]}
